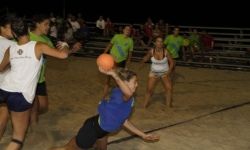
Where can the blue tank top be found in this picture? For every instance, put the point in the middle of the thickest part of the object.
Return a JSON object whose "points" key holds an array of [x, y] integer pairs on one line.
{"points": [[115, 111]]}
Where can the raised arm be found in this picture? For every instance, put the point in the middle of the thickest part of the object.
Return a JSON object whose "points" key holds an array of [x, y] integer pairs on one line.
{"points": [[123, 86]]}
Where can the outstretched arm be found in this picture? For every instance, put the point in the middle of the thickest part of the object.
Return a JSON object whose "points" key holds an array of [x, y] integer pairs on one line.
{"points": [[45, 49], [73, 48], [148, 137]]}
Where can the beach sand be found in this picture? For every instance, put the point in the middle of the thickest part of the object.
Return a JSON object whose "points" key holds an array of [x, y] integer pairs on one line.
{"points": [[75, 88]]}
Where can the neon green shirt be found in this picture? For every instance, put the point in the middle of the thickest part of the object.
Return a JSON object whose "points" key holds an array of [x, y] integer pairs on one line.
{"points": [[46, 40], [174, 44], [121, 47]]}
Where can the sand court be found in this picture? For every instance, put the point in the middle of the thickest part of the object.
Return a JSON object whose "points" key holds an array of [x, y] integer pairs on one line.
{"points": [[75, 87]]}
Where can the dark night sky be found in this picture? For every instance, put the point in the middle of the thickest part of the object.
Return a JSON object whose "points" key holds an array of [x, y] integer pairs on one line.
{"points": [[178, 13]]}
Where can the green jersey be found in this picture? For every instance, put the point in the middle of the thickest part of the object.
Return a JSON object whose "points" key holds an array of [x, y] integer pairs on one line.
{"points": [[46, 40], [121, 47], [174, 44]]}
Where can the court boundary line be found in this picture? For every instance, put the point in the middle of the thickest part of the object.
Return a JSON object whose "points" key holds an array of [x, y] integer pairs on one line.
{"points": [[181, 122]]}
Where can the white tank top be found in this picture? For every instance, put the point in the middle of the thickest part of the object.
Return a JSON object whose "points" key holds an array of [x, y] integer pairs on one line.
{"points": [[24, 72], [4, 45], [159, 65]]}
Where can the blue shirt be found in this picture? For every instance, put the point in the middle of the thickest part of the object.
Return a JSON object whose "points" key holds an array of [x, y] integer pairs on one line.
{"points": [[115, 111]]}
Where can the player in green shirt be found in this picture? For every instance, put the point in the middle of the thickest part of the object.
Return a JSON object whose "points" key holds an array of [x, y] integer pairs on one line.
{"points": [[174, 44], [120, 47], [39, 30]]}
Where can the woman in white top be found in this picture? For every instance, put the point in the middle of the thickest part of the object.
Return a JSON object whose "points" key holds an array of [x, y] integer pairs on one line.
{"points": [[18, 88], [161, 67], [5, 43]]}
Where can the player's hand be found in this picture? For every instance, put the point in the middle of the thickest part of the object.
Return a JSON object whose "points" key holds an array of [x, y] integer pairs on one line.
{"points": [[107, 72], [77, 46], [61, 45], [151, 137]]}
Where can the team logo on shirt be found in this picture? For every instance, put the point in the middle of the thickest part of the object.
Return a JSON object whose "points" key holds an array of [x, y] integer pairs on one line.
{"points": [[20, 51]]}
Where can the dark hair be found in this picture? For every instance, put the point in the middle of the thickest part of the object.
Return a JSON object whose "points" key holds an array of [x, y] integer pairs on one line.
{"points": [[158, 36], [19, 27], [37, 19], [125, 74], [5, 20]]}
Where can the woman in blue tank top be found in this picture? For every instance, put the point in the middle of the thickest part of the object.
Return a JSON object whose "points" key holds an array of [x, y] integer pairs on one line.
{"points": [[112, 114]]}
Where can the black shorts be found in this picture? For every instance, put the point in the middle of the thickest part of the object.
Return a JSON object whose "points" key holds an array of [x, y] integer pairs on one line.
{"points": [[41, 89], [89, 133], [121, 64]]}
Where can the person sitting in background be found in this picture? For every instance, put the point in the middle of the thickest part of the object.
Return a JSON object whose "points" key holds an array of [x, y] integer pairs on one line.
{"points": [[108, 29], [148, 30], [100, 25], [207, 41], [194, 42]]}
